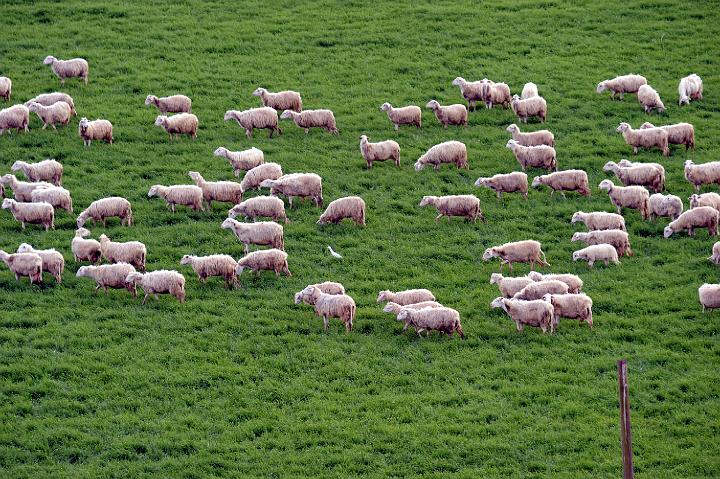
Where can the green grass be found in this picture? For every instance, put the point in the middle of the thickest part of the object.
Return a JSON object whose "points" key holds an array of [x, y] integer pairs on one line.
{"points": [[244, 383]]}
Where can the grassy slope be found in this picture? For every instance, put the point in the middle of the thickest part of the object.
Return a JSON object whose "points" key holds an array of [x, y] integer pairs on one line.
{"points": [[245, 383]]}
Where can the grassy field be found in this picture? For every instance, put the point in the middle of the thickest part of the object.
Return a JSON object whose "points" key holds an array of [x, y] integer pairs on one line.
{"points": [[244, 383]]}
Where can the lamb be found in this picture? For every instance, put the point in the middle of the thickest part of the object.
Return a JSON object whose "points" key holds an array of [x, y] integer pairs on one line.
{"points": [[444, 320], [31, 213], [49, 99], [537, 289], [51, 115], [269, 259], [57, 196], [495, 93], [700, 217], [255, 177], [709, 296], [690, 87], [678, 134], [352, 207], [509, 286], [24, 264], [645, 138], [327, 287], [22, 190], [455, 114], [617, 238], [223, 191], [46, 170], [447, 152], [715, 258], [533, 106], [664, 205], [186, 195], [568, 180], [395, 308], [282, 100], [380, 151], [242, 160], [75, 68], [85, 249], [180, 124], [531, 138], [703, 174], [52, 261], [526, 251], [597, 252], [307, 119], [170, 104], [467, 206], [269, 206], [638, 174], [109, 276], [330, 306], [16, 116], [571, 306], [622, 84], [634, 197], [213, 265], [260, 118], [529, 90], [470, 91], [409, 296], [541, 156], [158, 282], [261, 233], [131, 252], [506, 183], [303, 185], [573, 282], [102, 209], [406, 115], [5, 88], [705, 199], [650, 100], [536, 313], [95, 130], [599, 220]]}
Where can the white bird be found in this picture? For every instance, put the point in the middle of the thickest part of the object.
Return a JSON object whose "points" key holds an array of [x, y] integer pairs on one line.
{"points": [[335, 255]]}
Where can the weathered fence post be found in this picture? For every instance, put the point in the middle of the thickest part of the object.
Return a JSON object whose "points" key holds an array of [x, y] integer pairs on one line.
{"points": [[625, 433]]}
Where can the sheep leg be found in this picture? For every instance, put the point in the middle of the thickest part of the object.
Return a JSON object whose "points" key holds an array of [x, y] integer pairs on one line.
{"points": [[247, 248], [146, 297], [438, 217], [591, 263], [248, 133], [691, 232], [157, 298], [53, 125], [44, 126], [325, 323], [519, 326]]}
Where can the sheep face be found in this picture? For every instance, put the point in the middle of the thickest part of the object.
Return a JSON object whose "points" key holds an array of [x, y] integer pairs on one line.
{"points": [[427, 200], [610, 166], [577, 255], [432, 104], [7, 178], [83, 271], [153, 191], [389, 308], [161, 120], [81, 220], [498, 303], [606, 185], [684, 100], [578, 237], [227, 224], [512, 128], [694, 200], [490, 253], [403, 314], [363, 138], [187, 259], [481, 182], [151, 100], [577, 216], [17, 165], [221, 151], [229, 115], [458, 81], [510, 144], [7, 203], [259, 92], [547, 298], [667, 232], [49, 60], [33, 106], [382, 296], [133, 278], [82, 232], [24, 248], [298, 297], [239, 269], [622, 127], [195, 176], [601, 87], [495, 278], [286, 114], [385, 106], [537, 181], [267, 184], [104, 237], [687, 164], [419, 166]]}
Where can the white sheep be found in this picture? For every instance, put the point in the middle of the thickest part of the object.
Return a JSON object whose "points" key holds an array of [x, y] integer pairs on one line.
{"points": [[48, 99], [255, 118], [51, 115], [380, 151], [537, 289], [536, 313], [330, 306], [254, 177], [597, 252], [46, 170], [531, 138], [57, 196], [186, 195], [213, 265], [664, 205], [650, 100], [268, 206], [541, 156], [352, 207], [700, 217], [617, 238], [5, 88], [526, 251], [709, 296], [406, 115], [639, 174], [31, 213], [571, 306], [409, 296], [495, 93], [267, 259], [690, 87], [622, 84], [467, 206], [509, 286], [24, 264], [678, 134], [95, 130], [307, 119], [85, 249], [170, 104], [74, 68], [180, 124], [16, 116], [442, 319], [22, 190], [505, 183], [222, 191], [301, 185], [109, 276], [263, 233], [131, 252], [530, 107], [104, 208], [242, 160], [634, 197], [395, 308], [715, 258], [470, 91], [705, 199], [327, 287], [282, 100], [599, 220], [562, 181], [52, 261], [158, 282], [645, 138], [702, 174], [455, 114], [574, 282], [529, 90], [453, 152]]}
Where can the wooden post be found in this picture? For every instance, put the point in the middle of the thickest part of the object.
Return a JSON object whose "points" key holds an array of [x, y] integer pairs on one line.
{"points": [[625, 433]]}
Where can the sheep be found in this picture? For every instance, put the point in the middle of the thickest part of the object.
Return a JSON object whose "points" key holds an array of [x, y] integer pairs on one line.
{"points": [[180, 124], [690, 87], [625, 163], [406, 115], [531, 138], [638, 174], [650, 100], [24, 264], [709, 296], [634, 197], [22, 190], [599, 220], [16, 116], [536, 313], [700, 217], [541, 156], [597, 252], [327, 287], [52, 261], [445, 320], [269, 206], [307, 119], [242, 160], [495, 93], [571, 306], [568, 180], [352, 207], [186, 195], [261, 233], [46, 170], [260, 118], [303, 185], [131, 252], [715, 258], [702, 174], [467, 206], [645, 138], [213, 265], [31, 213], [170, 104], [282, 100], [526, 251], [269, 259], [395, 308], [74, 68], [705, 199], [470, 91], [380, 151], [508, 286], [409, 296], [223, 191], [622, 84], [537, 289], [5, 88], [330, 306], [533, 106], [104, 208], [108, 276], [529, 90], [573, 282], [617, 238], [51, 115], [95, 130], [455, 114], [158, 282], [57, 196], [664, 205], [49, 99], [678, 134], [85, 249], [505, 183], [254, 177], [447, 152]]}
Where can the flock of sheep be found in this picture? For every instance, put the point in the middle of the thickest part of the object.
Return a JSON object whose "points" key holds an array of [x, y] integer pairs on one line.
{"points": [[536, 299]]}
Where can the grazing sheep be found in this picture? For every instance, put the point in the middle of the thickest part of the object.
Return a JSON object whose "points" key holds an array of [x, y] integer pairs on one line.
{"points": [[57, 196], [74, 68], [447, 152], [282, 100], [678, 134], [180, 124], [634, 197], [526, 251], [622, 84], [22, 190], [254, 177], [104, 208], [505, 183], [537, 289], [131, 252], [574, 282], [170, 104], [599, 220], [650, 100], [571, 306], [242, 160], [395, 308], [529, 90], [5, 88], [223, 191], [52, 261], [352, 207], [541, 156], [709, 296], [638, 174], [664, 205], [85, 249], [409, 296], [597, 252], [568, 180], [158, 282], [536, 313], [467, 206], [260, 118], [455, 114], [213, 265], [700, 217], [268, 206], [534, 106], [109, 276], [509, 286], [307, 119], [267, 259], [302, 185], [186, 195], [470, 91], [48, 99], [531, 138], [715, 258], [495, 93], [330, 306], [690, 87], [380, 151], [617, 238], [703, 174], [442, 319], [51, 115], [645, 138], [263, 233], [327, 287], [24, 264], [17, 117], [95, 130], [31, 213], [46, 170], [705, 199], [406, 115]]}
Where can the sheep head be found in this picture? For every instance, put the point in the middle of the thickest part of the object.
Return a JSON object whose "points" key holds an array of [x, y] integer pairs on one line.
{"points": [[220, 151], [84, 271], [18, 165], [25, 248], [495, 278], [490, 253], [576, 255], [459, 81], [511, 144], [611, 166], [49, 60], [606, 185], [287, 114], [419, 165], [538, 180], [228, 224], [578, 236], [133, 278], [386, 107], [668, 231], [601, 87], [535, 276], [512, 128], [646, 125], [391, 307], [403, 315], [623, 127], [578, 216], [151, 100], [7, 203], [433, 105], [498, 302], [427, 200], [103, 238], [161, 120], [230, 115], [259, 92], [694, 201], [383, 296], [482, 182]]}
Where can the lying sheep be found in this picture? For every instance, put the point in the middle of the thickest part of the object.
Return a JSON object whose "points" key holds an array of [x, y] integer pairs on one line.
{"points": [[186, 195], [395, 308], [571, 306], [467, 206], [330, 306], [223, 191], [664, 205], [242, 160], [562, 181], [528, 108], [213, 265], [31, 213], [268, 259], [690, 87], [639, 174], [406, 115], [537, 289], [57, 113], [409, 296], [17, 117], [131, 252], [598, 252], [705, 199], [634, 197], [74, 68], [95, 130], [526, 251], [470, 91], [5, 88], [531, 138], [307, 119], [455, 114], [678, 134], [46, 170], [617, 238], [109, 276], [715, 258], [529, 90], [700, 217], [445, 320], [650, 100], [85, 249], [505, 183], [282, 100], [448, 152], [268, 206], [255, 177], [703, 174], [645, 138], [102, 209], [57, 196], [301, 185], [537, 313], [495, 93], [170, 104], [260, 118], [158, 282], [180, 124], [352, 207], [599, 220], [48, 99], [24, 264], [327, 287], [380, 151], [22, 190], [263, 233], [52, 261], [509, 286], [709, 296], [541, 156], [573, 282], [622, 84]]}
